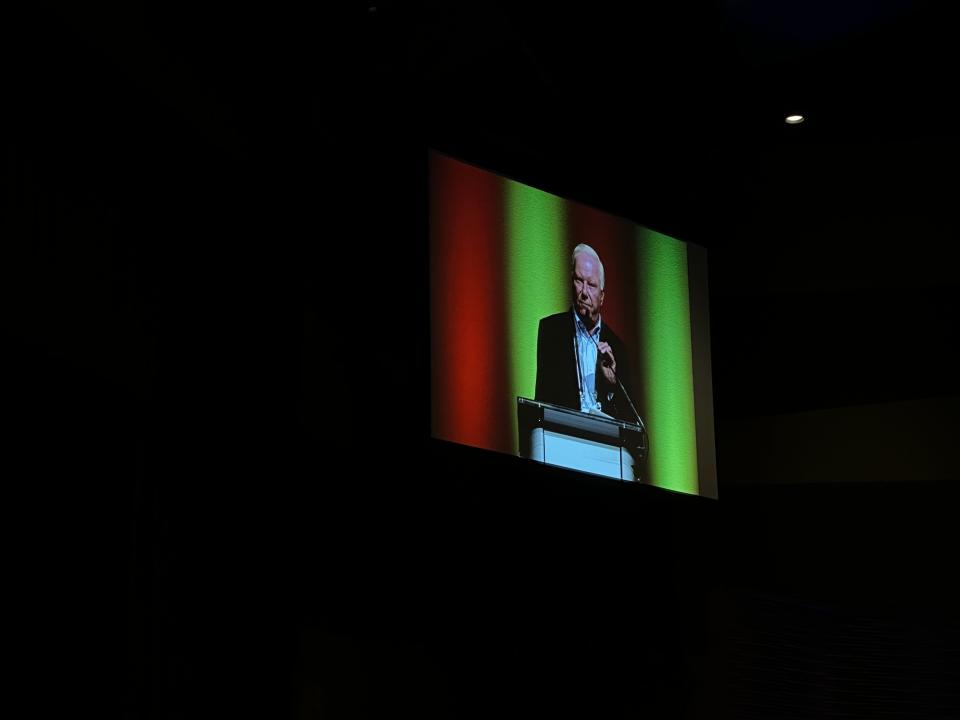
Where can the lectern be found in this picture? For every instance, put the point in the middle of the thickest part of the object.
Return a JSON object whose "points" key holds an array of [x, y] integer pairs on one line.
{"points": [[581, 441]]}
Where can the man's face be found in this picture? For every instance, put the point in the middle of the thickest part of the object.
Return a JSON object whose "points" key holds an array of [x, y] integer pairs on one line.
{"points": [[587, 295]]}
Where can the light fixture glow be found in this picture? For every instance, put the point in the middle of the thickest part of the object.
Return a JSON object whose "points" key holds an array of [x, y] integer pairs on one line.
{"points": [[794, 119]]}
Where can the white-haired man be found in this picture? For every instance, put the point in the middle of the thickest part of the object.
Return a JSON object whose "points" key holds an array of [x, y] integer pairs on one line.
{"points": [[578, 356]]}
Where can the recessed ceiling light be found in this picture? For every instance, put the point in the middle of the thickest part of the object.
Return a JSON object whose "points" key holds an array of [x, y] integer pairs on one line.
{"points": [[794, 119]]}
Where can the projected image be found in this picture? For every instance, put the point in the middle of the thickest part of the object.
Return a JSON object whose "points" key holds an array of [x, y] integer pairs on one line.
{"points": [[567, 335]]}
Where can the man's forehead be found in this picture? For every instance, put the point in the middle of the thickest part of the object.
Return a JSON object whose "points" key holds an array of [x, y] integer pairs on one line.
{"points": [[586, 264]]}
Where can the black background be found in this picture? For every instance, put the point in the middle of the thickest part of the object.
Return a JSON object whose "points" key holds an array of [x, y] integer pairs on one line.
{"points": [[222, 493]]}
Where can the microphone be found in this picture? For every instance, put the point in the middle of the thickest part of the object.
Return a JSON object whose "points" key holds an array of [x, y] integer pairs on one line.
{"points": [[608, 362]]}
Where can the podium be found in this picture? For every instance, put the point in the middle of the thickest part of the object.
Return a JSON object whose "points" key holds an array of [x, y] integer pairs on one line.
{"points": [[580, 441]]}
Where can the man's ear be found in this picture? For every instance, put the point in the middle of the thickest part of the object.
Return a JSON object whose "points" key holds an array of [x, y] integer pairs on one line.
{"points": [[601, 298]]}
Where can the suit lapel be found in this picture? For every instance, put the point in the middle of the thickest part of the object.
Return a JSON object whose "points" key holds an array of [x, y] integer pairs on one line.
{"points": [[572, 355]]}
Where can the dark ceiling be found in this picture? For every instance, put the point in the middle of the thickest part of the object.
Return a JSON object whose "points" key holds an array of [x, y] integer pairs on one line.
{"points": [[833, 243], [598, 98], [832, 239]]}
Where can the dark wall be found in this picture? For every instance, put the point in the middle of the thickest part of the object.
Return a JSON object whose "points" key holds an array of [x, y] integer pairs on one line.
{"points": [[151, 329]]}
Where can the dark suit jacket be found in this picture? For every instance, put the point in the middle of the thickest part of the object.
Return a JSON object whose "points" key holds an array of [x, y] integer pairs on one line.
{"points": [[557, 367]]}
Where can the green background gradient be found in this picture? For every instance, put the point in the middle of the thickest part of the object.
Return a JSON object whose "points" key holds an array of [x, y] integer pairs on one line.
{"points": [[537, 280], [663, 315]]}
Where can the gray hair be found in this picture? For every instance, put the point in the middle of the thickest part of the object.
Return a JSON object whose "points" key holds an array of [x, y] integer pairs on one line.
{"points": [[584, 249]]}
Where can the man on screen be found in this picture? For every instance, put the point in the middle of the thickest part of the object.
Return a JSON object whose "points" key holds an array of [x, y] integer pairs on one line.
{"points": [[578, 356]]}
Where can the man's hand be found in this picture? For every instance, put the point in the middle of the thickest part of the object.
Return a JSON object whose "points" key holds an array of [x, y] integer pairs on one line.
{"points": [[608, 362]]}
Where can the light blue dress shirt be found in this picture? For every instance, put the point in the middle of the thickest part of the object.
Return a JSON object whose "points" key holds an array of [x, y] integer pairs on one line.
{"points": [[587, 364]]}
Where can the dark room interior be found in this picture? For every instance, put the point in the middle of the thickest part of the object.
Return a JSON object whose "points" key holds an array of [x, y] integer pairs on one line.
{"points": [[224, 494]]}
